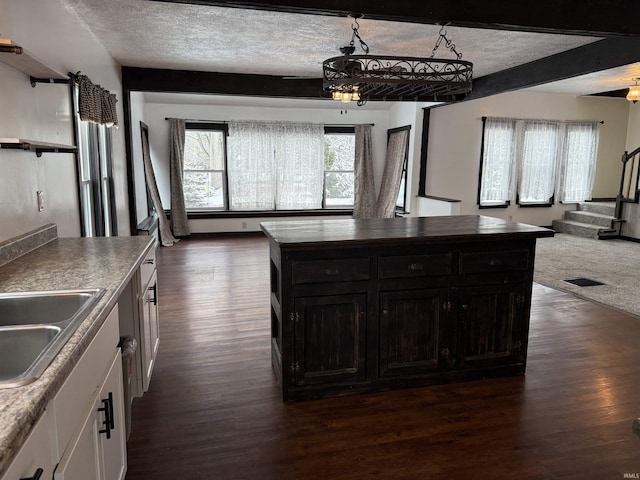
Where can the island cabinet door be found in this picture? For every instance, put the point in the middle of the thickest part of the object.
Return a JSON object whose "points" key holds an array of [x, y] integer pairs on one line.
{"points": [[492, 325], [330, 339], [413, 332]]}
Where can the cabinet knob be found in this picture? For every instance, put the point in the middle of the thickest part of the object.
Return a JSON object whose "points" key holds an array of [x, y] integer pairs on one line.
{"points": [[385, 311], [465, 307], [36, 475]]}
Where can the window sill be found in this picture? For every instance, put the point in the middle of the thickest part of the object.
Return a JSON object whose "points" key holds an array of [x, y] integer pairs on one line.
{"points": [[212, 214], [535, 205], [497, 205]]}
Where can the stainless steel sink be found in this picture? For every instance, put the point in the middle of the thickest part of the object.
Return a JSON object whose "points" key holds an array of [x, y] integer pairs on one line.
{"points": [[29, 308], [21, 347], [34, 326]]}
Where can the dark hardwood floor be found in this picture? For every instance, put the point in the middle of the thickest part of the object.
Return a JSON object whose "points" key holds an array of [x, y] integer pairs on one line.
{"points": [[213, 410]]}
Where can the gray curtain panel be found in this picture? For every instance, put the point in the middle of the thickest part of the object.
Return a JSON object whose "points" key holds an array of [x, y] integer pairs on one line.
{"points": [[179, 220], [388, 195], [364, 188], [166, 237]]}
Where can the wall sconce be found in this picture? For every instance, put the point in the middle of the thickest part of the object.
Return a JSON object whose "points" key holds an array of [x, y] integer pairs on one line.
{"points": [[634, 92]]}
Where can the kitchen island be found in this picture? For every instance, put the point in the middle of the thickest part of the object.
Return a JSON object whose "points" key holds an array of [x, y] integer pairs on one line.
{"points": [[368, 305]]}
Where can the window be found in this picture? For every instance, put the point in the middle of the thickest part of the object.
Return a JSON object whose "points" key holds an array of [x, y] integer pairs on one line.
{"points": [[537, 162], [95, 181], [578, 162], [496, 162], [204, 177], [339, 152], [551, 159], [253, 166]]}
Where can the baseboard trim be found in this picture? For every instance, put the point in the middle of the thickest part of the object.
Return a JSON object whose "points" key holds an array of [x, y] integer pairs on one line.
{"points": [[629, 239]]}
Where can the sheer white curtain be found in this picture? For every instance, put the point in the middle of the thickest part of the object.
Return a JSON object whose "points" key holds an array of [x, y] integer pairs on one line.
{"points": [[300, 166], [498, 154], [251, 166], [578, 163], [539, 156], [275, 165]]}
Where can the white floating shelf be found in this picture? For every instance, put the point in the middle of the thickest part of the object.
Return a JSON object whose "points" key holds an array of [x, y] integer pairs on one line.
{"points": [[35, 146], [20, 59]]}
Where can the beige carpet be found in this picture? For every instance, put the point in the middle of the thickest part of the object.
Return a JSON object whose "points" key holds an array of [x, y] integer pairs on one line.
{"points": [[616, 263]]}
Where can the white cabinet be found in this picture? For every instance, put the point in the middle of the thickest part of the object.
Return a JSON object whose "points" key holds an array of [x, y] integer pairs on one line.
{"points": [[139, 319], [35, 458], [90, 438], [150, 332], [81, 435], [98, 448]]}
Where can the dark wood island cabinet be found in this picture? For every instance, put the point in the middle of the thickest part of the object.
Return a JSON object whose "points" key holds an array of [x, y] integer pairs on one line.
{"points": [[367, 305]]}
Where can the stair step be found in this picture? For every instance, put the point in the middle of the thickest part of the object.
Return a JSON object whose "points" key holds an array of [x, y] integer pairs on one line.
{"points": [[577, 228], [589, 217], [603, 208]]}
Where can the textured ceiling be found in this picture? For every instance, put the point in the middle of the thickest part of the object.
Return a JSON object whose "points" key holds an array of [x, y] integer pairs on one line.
{"points": [[142, 33]]}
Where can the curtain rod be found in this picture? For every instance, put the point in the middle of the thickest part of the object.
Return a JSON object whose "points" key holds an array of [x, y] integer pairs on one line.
{"points": [[601, 122], [195, 120]]}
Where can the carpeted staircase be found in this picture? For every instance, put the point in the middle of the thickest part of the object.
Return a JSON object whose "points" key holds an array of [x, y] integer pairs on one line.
{"points": [[590, 220]]}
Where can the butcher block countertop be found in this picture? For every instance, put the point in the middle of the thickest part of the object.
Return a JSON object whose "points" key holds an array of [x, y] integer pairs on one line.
{"points": [[468, 228]]}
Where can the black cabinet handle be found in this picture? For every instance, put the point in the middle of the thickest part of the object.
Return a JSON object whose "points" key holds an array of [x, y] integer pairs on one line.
{"points": [[36, 476], [148, 262], [416, 267], [154, 288], [107, 408], [332, 271]]}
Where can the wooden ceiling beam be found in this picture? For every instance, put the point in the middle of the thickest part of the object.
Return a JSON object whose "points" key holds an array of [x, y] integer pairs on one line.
{"points": [[577, 17], [601, 55]]}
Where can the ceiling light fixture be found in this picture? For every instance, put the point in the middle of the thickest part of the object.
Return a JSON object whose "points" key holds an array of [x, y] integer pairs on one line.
{"points": [[366, 77], [634, 92]]}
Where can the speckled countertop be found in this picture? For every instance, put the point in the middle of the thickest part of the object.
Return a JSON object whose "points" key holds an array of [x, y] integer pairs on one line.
{"points": [[61, 264]]}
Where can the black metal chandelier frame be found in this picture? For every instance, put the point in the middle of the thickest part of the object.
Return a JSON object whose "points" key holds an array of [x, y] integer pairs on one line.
{"points": [[367, 77]]}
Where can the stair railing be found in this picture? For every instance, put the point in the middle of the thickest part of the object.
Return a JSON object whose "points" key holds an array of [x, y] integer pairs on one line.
{"points": [[629, 181]]}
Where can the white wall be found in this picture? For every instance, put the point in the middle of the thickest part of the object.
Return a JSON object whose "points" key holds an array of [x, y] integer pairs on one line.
{"points": [[137, 116], [455, 136], [155, 114], [50, 32]]}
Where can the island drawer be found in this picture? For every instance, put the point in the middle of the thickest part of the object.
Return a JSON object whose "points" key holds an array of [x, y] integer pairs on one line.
{"points": [[335, 270], [407, 266], [496, 261]]}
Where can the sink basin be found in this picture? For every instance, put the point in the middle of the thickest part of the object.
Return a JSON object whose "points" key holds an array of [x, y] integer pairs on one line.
{"points": [[34, 326], [28, 308], [21, 347]]}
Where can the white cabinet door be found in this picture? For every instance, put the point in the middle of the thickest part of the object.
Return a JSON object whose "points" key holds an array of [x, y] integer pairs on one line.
{"points": [[81, 459], [35, 457], [114, 444], [98, 449], [149, 326]]}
